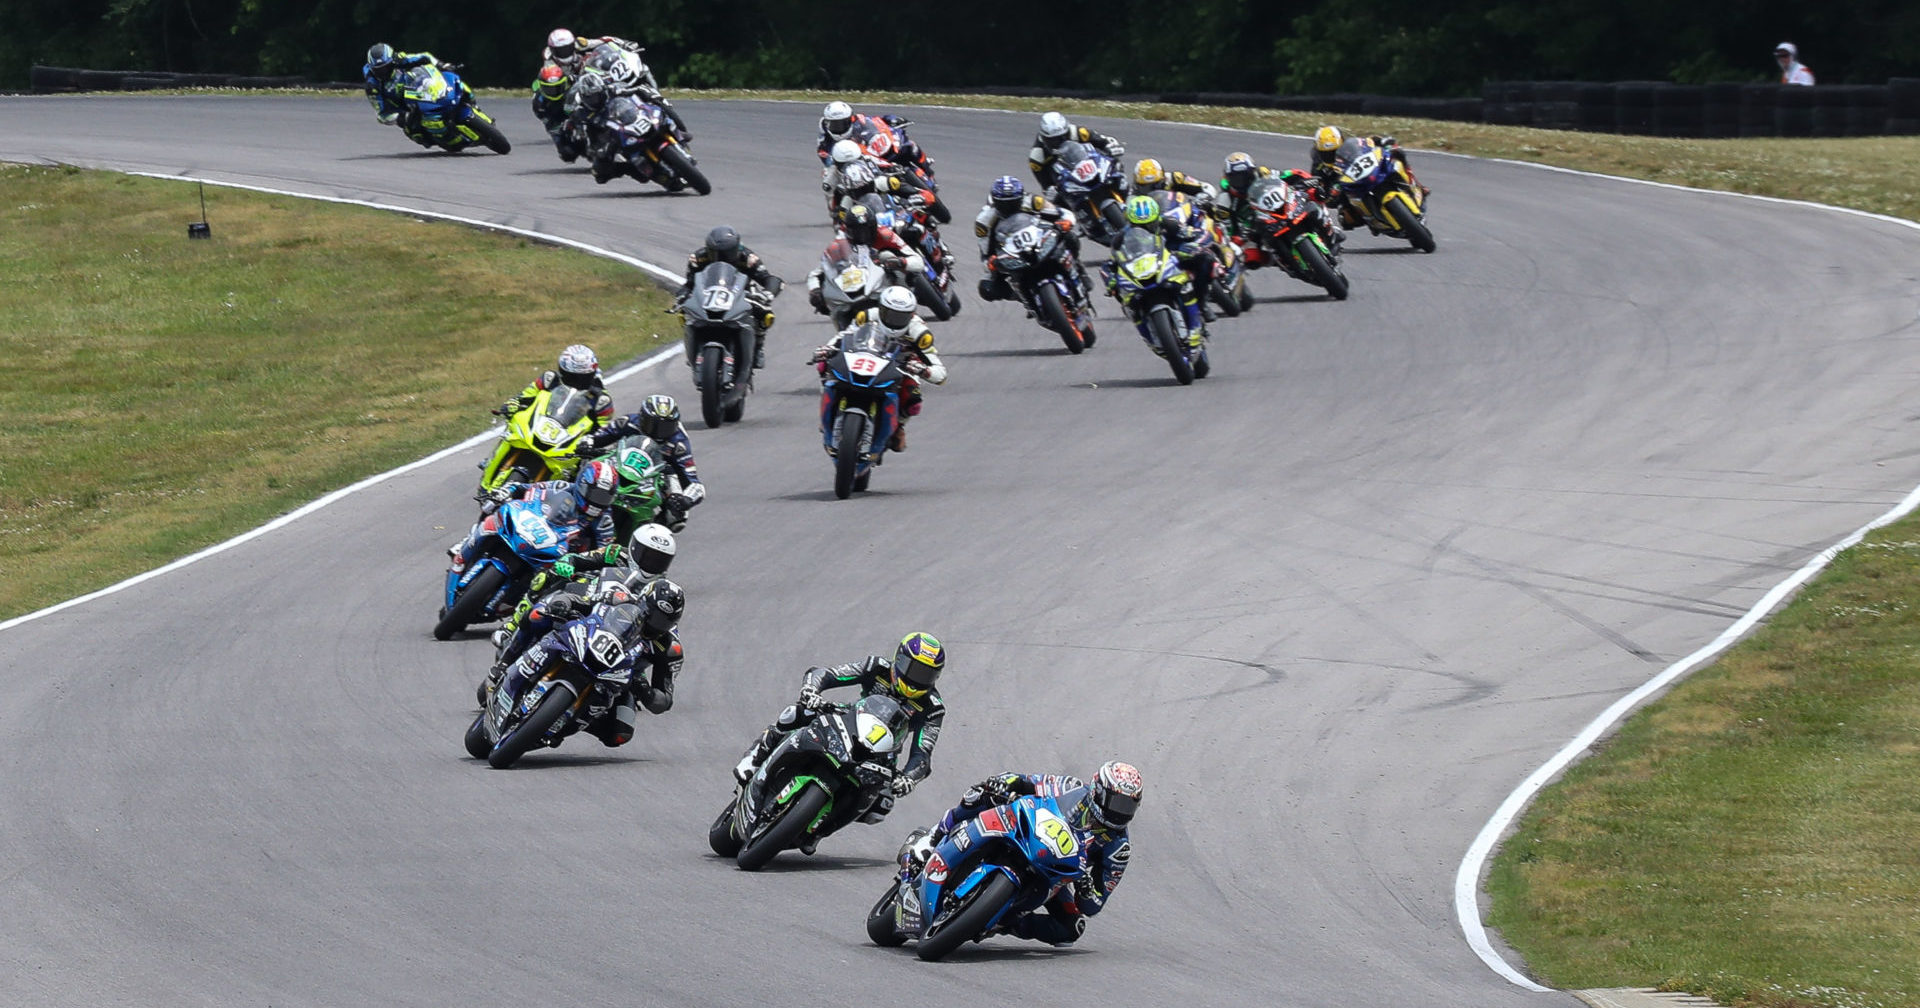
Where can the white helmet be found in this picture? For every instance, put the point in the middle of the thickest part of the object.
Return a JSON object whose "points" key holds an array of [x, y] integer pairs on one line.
{"points": [[560, 43], [836, 119], [845, 152], [577, 366], [1053, 128], [897, 305], [651, 549]]}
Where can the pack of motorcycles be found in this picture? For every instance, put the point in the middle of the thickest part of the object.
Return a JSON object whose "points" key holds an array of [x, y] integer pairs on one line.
{"points": [[836, 770]]}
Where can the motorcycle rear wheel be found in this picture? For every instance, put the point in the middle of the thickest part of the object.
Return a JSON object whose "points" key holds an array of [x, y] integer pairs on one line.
{"points": [[786, 832], [677, 159], [526, 735], [467, 605], [880, 929], [970, 919], [849, 429], [1167, 336], [1223, 299], [710, 392], [1056, 319]]}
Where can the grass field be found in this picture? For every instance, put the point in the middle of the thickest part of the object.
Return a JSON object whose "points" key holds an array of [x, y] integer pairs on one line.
{"points": [[1749, 837], [166, 394]]}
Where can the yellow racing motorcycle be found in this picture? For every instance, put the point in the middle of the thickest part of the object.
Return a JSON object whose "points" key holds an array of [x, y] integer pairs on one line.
{"points": [[541, 440], [1383, 192]]}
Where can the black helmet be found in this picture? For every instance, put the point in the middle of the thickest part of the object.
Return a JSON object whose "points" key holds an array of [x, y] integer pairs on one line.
{"points": [[660, 418], [723, 243], [379, 56], [860, 225], [661, 603], [591, 91]]}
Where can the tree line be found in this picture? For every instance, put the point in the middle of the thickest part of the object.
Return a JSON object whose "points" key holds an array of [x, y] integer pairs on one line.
{"points": [[1398, 47]]}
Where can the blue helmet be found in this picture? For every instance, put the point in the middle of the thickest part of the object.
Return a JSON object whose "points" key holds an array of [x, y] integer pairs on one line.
{"points": [[593, 489], [1006, 194], [379, 56]]}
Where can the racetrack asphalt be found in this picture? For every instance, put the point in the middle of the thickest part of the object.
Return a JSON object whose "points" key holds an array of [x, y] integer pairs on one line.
{"points": [[1335, 600]]}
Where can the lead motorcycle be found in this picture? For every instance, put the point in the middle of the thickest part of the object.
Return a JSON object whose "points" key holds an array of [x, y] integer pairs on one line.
{"points": [[510, 545], [1004, 862], [865, 374], [445, 109], [836, 769], [572, 676], [1036, 263], [1148, 282], [721, 328]]}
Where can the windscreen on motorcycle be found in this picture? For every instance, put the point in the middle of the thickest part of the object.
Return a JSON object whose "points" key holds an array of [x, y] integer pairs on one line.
{"points": [[1356, 159], [721, 293], [1023, 235], [850, 267], [869, 338], [1272, 196], [423, 83], [884, 711], [1081, 167], [626, 114], [1136, 242], [622, 619], [565, 407]]}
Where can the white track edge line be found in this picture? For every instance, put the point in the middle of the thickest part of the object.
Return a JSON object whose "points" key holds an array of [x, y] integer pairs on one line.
{"points": [[1466, 884], [336, 495]]}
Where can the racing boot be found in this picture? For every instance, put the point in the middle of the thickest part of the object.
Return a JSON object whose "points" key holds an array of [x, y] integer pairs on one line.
{"points": [[898, 442], [743, 770], [615, 727]]}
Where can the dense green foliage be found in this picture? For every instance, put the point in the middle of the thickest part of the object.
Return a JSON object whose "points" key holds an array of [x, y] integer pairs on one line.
{"points": [[1314, 46]]}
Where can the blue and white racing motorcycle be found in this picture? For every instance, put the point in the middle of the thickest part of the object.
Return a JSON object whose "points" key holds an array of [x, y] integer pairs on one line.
{"points": [[1002, 863], [510, 546]]}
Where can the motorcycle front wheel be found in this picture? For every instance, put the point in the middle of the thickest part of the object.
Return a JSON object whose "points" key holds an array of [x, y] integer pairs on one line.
{"points": [[710, 393], [490, 135], [468, 605], [786, 831], [1055, 315], [677, 159], [880, 929], [527, 734], [969, 919], [1166, 335], [1322, 271], [849, 430]]}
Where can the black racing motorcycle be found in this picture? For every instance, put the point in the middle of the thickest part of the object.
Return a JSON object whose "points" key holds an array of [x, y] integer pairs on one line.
{"points": [[1036, 263], [720, 332], [834, 770]]}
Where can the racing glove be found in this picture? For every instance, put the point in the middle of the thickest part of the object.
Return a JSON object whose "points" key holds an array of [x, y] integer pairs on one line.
{"points": [[902, 785], [563, 567]]}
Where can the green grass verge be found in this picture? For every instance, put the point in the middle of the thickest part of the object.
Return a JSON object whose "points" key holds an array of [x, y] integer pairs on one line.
{"points": [[166, 394], [1752, 835]]}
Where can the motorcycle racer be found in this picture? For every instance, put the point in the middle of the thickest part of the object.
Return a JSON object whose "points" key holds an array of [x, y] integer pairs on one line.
{"points": [[392, 110], [1236, 213], [1099, 812], [576, 368], [723, 245], [646, 556], [1143, 213], [1005, 197], [1056, 130], [652, 647], [1149, 177], [658, 419], [898, 315], [838, 121], [860, 225], [908, 676]]}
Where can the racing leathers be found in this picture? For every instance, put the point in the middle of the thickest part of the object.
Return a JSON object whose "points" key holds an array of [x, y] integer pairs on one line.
{"points": [[1190, 295], [886, 240], [993, 286], [676, 454], [653, 659], [872, 674], [388, 106], [762, 287], [866, 130], [1235, 212], [524, 625], [922, 360], [1063, 918], [1041, 160]]}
